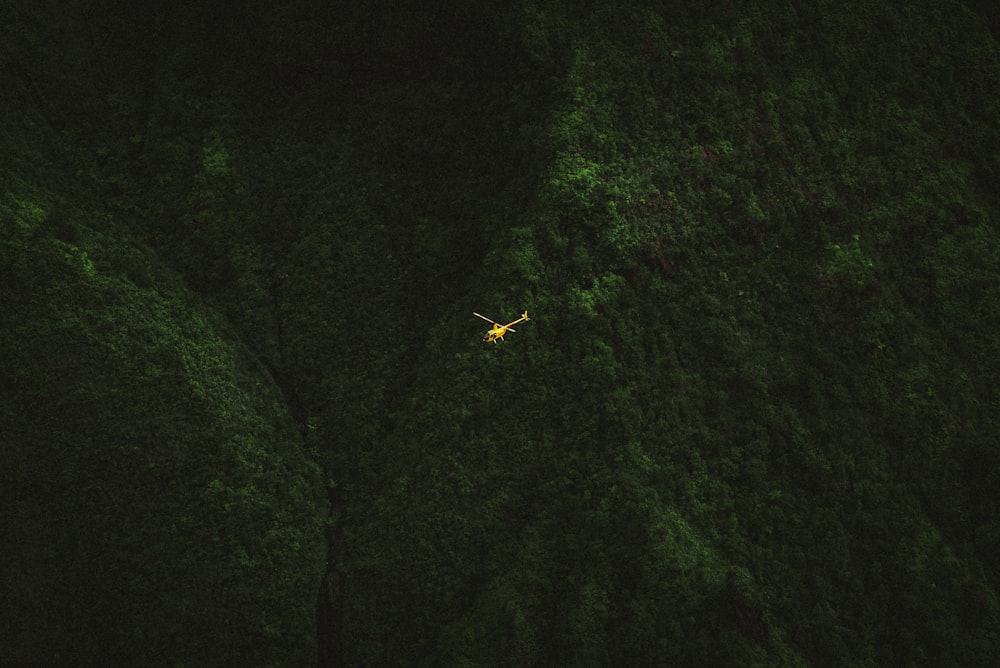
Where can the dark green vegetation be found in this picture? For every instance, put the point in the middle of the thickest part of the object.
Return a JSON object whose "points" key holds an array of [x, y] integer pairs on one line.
{"points": [[247, 418]]}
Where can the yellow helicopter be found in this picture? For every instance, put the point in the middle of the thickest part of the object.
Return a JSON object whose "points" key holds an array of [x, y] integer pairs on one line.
{"points": [[497, 330]]}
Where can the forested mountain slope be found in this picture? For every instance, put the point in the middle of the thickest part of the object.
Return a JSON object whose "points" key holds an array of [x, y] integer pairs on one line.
{"points": [[248, 418]]}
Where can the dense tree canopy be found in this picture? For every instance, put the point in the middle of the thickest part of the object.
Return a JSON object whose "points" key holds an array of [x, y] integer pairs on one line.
{"points": [[248, 417]]}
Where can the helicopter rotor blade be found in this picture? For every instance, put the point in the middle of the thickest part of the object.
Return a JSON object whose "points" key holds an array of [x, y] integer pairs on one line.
{"points": [[489, 320]]}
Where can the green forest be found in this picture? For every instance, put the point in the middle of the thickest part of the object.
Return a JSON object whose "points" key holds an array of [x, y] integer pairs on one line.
{"points": [[248, 417]]}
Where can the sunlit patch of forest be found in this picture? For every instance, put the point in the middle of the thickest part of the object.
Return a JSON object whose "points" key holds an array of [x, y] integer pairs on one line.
{"points": [[248, 416]]}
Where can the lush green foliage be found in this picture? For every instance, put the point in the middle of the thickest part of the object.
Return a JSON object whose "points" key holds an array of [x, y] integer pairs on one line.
{"points": [[152, 480], [752, 420]]}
